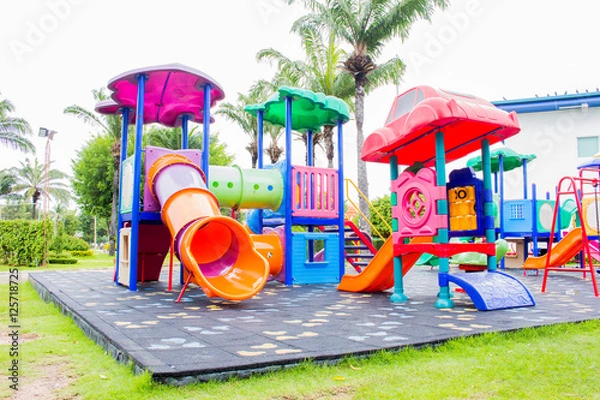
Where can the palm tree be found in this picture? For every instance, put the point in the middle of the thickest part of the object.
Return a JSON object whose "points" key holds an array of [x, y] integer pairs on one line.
{"points": [[248, 123], [319, 73], [31, 182], [7, 181], [13, 129], [367, 25], [110, 125]]}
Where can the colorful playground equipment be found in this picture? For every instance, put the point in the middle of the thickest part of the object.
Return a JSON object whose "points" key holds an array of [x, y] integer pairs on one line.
{"points": [[583, 189], [428, 127], [527, 219], [294, 209], [182, 192]]}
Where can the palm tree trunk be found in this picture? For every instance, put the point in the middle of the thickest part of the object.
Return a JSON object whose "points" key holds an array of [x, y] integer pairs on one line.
{"points": [[361, 167], [329, 149]]}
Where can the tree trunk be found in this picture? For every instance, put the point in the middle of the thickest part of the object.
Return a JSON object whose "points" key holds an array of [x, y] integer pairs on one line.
{"points": [[112, 225], [329, 149], [361, 167]]}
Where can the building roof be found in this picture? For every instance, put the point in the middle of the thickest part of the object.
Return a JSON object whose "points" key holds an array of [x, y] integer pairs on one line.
{"points": [[551, 103]]}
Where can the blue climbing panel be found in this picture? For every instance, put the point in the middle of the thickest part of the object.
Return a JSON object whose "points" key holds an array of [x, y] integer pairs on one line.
{"points": [[491, 290], [307, 271]]}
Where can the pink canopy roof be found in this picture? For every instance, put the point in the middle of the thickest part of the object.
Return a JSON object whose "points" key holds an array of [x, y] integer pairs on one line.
{"points": [[171, 91]]}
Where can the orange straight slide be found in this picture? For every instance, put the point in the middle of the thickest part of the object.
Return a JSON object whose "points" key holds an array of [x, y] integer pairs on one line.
{"points": [[379, 274], [561, 252]]}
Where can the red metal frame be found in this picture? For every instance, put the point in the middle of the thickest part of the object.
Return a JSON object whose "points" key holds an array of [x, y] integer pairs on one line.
{"points": [[574, 187]]}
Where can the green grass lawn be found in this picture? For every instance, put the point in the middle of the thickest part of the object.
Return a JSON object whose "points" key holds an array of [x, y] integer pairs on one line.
{"points": [[99, 260], [556, 362]]}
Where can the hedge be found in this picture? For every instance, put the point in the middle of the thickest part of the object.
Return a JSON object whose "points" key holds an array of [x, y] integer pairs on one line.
{"points": [[62, 261], [82, 253], [22, 242]]}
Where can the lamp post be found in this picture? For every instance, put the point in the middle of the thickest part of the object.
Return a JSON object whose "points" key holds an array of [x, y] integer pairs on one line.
{"points": [[49, 135]]}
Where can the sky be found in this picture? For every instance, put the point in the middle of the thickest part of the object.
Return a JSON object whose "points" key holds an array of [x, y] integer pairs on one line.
{"points": [[53, 53]]}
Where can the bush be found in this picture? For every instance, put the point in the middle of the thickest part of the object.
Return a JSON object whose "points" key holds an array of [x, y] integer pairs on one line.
{"points": [[62, 261], [22, 242], [82, 253], [72, 243], [53, 254], [377, 243], [384, 206]]}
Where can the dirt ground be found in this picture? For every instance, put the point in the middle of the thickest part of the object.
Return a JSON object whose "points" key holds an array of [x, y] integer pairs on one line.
{"points": [[50, 377]]}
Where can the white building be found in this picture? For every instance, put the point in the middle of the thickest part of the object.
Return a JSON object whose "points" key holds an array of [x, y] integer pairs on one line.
{"points": [[563, 131]]}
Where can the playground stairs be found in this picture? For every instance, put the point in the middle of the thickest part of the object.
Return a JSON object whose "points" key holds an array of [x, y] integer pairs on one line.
{"points": [[358, 247]]}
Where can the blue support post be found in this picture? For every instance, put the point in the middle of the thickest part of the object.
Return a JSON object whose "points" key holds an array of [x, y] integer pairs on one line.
{"points": [[309, 148], [341, 216], [206, 124], [525, 178], [444, 300], [534, 222], [490, 234], [309, 163], [137, 172], [184, 131], [398, 296], [124, 127], [260, 163], [501, 173], [288, 189]]}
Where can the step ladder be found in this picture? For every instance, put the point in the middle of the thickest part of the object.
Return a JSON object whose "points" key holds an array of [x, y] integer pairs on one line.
{"points": [[358, 247]]}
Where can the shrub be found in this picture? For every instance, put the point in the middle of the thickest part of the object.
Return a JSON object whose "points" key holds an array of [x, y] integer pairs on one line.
{"points": [[82, 253], [22, 242], [62, 261], [53, 254], [384, 206], [72, 243]]}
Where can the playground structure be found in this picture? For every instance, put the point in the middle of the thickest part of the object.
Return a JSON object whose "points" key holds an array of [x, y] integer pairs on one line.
{"points": [[182, 195], [580, 240], [182, 192], [427, 127], [528, 219]]}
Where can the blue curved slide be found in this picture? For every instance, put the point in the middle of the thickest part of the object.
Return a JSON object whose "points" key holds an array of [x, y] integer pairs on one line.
{"points": [[491, 290]]}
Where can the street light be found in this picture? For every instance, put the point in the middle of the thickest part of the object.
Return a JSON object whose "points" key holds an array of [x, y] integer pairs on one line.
{"points": [[49, 135]]}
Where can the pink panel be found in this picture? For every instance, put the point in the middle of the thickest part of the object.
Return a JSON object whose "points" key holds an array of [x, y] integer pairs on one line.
{"points": [[314, 192], [416, 210]]}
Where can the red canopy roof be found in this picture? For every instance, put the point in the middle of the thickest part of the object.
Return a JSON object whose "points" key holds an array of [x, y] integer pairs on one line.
{"points": [[419, 113]]}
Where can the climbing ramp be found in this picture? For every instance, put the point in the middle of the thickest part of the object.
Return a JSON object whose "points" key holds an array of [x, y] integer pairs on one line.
{"points": [[491, 290]]}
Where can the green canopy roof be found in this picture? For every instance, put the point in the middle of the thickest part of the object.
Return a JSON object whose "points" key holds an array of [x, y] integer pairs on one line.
{"points": [[310, 110], [510, 160]]}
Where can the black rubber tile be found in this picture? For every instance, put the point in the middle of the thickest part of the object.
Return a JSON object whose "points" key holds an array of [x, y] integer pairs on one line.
{"points": [[202, 338]]}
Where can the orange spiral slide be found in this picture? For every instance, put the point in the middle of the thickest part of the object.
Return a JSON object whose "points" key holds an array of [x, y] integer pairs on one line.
{"points": [[218, 253]]}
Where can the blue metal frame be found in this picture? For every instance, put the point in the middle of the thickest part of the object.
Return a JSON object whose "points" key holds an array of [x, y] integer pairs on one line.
{"points": [[288, 188], [206, 124], [341, 214], [137, 167], [184, 131], [124, 128]]}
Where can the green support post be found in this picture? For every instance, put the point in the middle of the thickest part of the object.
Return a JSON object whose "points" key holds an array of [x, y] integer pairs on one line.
{"points": [[398, 296], [488, 206], [444, 300]]}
